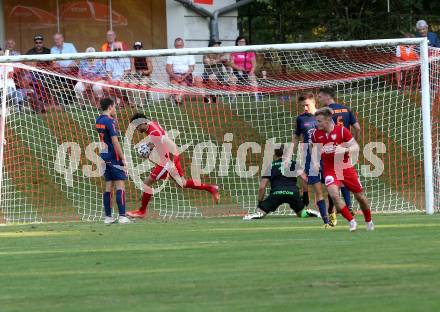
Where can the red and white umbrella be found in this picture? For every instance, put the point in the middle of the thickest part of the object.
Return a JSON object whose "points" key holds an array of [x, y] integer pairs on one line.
{"points": [[31, 16], [91, 11]]}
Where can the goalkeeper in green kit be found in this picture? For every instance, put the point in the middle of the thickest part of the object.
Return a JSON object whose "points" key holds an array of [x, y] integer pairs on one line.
{"points": [[283, 190]]}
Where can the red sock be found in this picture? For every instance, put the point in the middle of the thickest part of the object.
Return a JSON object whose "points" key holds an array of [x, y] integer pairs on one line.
{"points": [[145, 199], [367, 215], [346, 214], [203, 186]]}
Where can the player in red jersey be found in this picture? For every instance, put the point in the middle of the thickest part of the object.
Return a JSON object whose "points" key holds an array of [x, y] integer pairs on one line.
{"points": [[336, 142], [165, 165]]}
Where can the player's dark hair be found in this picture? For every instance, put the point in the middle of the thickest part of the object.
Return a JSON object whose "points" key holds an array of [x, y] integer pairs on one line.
{"points": [[325, 111], [238, 39], [105, 103], [279, 151], [137, 116], [305, 96], [329, 91]]}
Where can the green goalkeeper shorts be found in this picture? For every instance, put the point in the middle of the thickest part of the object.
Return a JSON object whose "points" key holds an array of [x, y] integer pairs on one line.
{"points": [[277, 198]]}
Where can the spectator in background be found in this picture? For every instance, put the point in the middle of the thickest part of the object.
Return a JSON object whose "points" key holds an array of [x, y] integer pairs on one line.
{"points": [[111, 39], [141, 66], [11, 91], [180, 68], [38, 84], [215, 71], [422, 31], [117, 69], [61, 47], [93, 70], [10, 45], [39, 48], [243, 65]]}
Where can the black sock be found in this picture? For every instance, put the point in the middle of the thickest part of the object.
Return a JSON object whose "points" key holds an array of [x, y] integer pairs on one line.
{"points": [[305, 198]]}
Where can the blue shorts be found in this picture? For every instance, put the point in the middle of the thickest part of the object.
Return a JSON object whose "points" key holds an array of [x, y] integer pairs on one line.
{"points": [[311, 180], [113, 172]]}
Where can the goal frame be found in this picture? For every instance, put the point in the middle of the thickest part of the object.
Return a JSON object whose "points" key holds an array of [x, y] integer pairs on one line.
{"points": [[424, 68]]}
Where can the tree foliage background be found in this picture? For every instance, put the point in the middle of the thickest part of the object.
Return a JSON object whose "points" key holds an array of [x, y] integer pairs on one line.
{"points": [[280, 21]]}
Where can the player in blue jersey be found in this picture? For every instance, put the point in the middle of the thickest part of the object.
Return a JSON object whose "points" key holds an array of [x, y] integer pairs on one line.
{"points": [[305, 125], [115, 163], [343, 116]]}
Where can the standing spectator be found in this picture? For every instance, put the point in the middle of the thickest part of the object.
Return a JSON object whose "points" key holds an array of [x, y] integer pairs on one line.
{"points": [[111, 39], [142, 66], [422, 31], [93, 70], [243, 65], [10, 45], [180, 69], [118, 68]]}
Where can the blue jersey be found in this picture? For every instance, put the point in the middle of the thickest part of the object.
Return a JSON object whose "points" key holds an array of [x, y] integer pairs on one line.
{"points": [[106, 127], [305, 125], [342, 115]]}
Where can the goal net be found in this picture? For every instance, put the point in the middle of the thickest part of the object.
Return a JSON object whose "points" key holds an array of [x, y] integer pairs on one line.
{"points": [[225, 122]]}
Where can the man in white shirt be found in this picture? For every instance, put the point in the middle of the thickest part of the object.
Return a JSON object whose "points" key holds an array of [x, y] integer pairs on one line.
{"points": [[62, 47], [180, 68]]}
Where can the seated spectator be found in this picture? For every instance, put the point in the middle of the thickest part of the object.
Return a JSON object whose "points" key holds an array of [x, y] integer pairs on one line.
{"points": [[93, 70], [10, 45], [39, 48], [215, 70], [243, 65], [61, 47], [25, 87], [117, 69], [141, 66], [422, 31], [180, 68], [11, 91], [39, 84], [111, 39]]}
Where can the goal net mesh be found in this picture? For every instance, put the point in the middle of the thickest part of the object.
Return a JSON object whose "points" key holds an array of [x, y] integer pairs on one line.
{"points": [[223, 120]]}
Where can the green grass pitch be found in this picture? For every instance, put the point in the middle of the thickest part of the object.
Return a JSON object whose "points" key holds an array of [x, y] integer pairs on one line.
{"points": [[222, 264]]}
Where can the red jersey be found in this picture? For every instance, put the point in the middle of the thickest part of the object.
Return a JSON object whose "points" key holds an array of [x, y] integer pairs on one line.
{"points": [[154, 129], [329, 141], [156, 134]]}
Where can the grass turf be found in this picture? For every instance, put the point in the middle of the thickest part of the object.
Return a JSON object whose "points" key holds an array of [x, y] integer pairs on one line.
{"points": [[226, 264]]}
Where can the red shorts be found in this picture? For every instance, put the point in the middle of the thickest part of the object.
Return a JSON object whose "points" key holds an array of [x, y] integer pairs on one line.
{"points": [[350, 181], [160, 172]]}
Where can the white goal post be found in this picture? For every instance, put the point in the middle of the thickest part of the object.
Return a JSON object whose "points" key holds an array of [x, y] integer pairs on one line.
{"points": [[49, 113]]}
